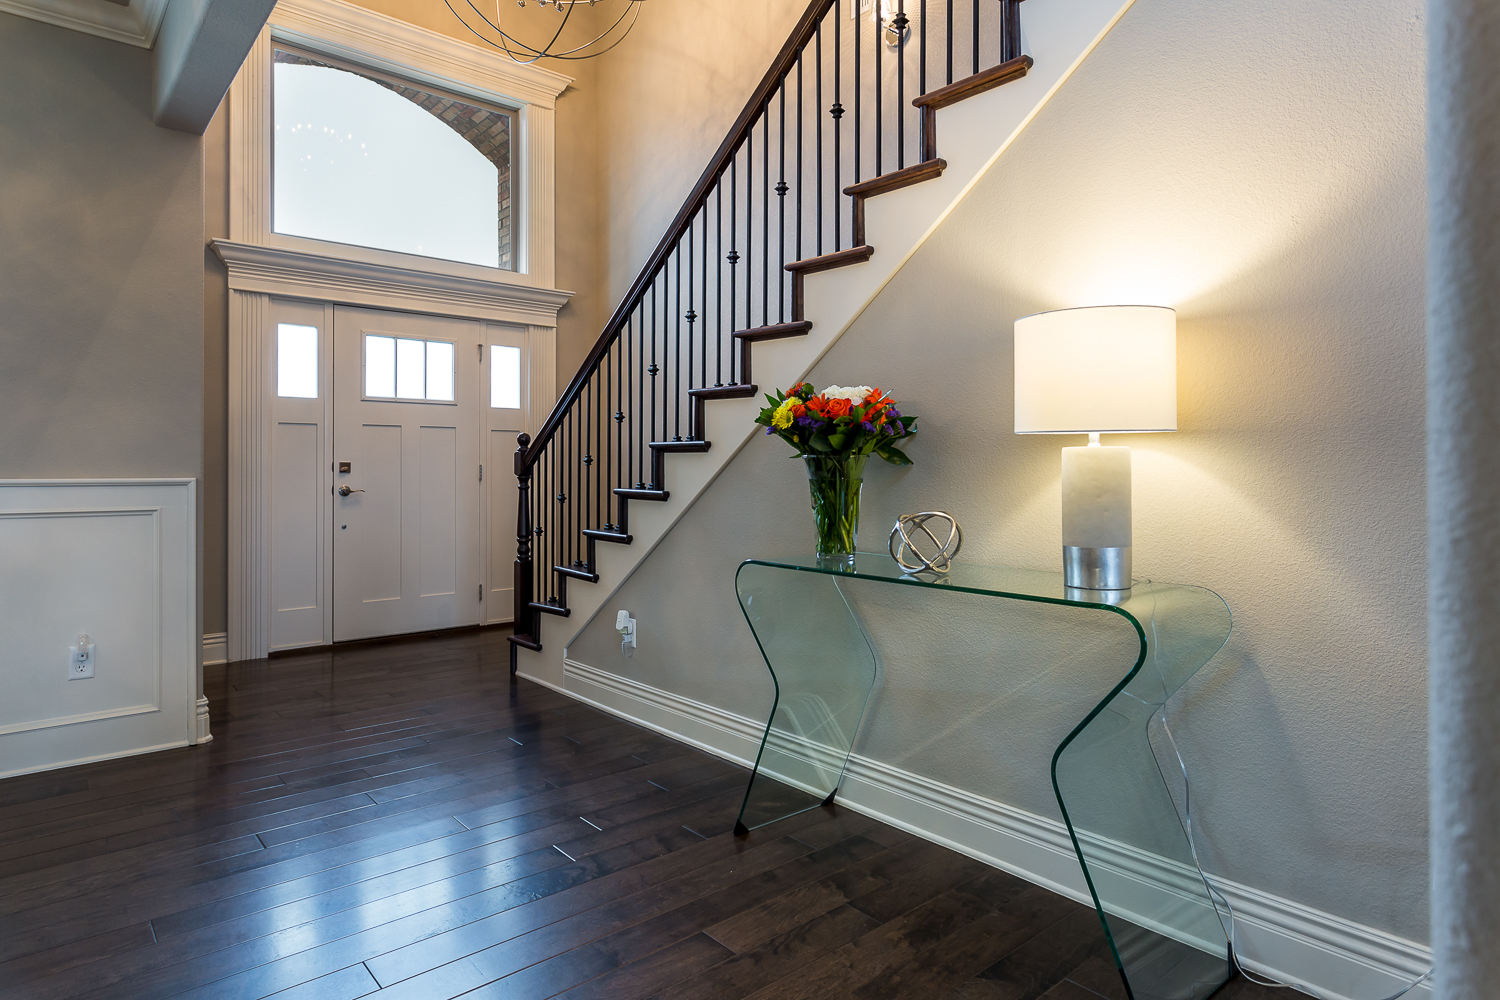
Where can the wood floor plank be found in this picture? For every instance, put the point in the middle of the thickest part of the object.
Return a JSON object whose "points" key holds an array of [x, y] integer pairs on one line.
{"points": [[402, 819]]}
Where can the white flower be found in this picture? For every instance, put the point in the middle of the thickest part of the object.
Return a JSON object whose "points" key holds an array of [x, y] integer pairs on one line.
{"points": [[853, 393]]}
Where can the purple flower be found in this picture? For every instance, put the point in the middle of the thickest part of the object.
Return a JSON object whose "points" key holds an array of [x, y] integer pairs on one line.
{"points": [[868, 426], [770, 430], [895, 413]]}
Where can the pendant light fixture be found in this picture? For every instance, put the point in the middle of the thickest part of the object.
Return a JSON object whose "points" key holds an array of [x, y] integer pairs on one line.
{"points": [[486, 27]]}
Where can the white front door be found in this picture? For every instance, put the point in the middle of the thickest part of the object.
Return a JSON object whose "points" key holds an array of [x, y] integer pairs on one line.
{"points": [[408, 409]]}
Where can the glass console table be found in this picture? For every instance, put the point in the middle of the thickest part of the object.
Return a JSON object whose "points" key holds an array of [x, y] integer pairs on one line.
{"points": [[1163, 929]]}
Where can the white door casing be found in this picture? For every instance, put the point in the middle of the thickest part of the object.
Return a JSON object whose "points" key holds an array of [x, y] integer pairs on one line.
{"points": [[268, 274], [407, 554]]}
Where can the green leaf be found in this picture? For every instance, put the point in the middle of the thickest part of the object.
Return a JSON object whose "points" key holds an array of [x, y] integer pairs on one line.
{"points": [[837, 440], [820, 443]]}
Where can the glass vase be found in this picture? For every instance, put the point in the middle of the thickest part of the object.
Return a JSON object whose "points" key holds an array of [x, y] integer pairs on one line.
{"points": [[835, 483]]}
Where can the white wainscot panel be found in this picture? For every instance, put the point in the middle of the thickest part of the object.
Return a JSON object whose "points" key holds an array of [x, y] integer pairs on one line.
{"points": [[114, 560]]}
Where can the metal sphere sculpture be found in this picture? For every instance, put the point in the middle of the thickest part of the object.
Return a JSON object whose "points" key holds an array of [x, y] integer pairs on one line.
{"points": [[911, 536]]}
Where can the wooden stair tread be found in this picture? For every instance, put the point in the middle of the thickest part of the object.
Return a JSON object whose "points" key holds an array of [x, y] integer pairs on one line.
{"points": [[577, 574], [829, 261], [634, 494], [896, 179], [776, 331], [742, 391], [681, 446], [607, 536], [1011, 69]]}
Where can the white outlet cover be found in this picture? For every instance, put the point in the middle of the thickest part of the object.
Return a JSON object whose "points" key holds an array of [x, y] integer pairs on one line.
{"points": [[87, 671]]}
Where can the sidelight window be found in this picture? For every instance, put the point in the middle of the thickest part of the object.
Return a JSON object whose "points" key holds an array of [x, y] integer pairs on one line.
{"points": [[296, 361], [505, 377]]}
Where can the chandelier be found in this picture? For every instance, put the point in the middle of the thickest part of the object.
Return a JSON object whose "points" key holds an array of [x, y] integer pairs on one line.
{"points": [[487, 29]]}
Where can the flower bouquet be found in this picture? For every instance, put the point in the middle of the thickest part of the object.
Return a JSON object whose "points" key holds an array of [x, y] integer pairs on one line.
{"points": [[836, 431]]}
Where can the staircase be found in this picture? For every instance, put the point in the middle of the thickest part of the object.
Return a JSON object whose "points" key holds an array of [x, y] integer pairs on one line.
{"points": [[849, 111]]}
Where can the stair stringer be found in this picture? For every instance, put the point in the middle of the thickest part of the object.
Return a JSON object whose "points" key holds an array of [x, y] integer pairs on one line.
{"points": [[971, 136]]}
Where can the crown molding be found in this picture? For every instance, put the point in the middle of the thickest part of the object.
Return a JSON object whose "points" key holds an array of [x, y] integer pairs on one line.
{"points": [[133, 25], [299, 274], [363, 36]]}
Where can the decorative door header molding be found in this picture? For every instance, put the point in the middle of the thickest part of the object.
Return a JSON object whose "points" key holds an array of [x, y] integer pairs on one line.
{"points": [[303, 275]]}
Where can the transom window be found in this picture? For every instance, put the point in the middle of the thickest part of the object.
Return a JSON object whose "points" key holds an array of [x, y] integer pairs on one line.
{"points": [[376, 161], [404, 368]]}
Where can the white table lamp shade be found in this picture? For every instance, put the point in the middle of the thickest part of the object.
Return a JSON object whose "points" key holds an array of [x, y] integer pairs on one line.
{"points": [[1096, 369]]}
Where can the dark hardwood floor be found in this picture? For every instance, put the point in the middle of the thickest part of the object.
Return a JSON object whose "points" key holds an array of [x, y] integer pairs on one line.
{"points": [[399, 819]]}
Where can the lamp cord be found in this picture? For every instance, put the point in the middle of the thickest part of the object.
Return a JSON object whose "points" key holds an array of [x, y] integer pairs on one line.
{"points": [[1216, 896]]}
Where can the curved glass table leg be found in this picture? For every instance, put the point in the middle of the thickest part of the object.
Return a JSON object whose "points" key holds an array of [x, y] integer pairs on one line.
{"points": [[824, 668], [1127, 825], [1124, 808]]}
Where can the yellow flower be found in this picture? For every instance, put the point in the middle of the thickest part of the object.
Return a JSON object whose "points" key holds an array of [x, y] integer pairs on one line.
{"points": [[782, 418]]}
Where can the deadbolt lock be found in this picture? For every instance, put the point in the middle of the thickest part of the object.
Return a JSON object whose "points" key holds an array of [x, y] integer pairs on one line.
{"points": [[346, 467]]}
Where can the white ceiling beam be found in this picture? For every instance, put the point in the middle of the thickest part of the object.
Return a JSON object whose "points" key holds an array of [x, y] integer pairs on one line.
{"points": [[198, 52]]}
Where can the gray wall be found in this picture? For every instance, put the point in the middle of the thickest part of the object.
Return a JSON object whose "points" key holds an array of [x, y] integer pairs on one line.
{"points": [[1258, 167], [101, 302]]}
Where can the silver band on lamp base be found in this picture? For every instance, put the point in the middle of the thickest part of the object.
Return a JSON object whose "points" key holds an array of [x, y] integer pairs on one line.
{"points": [[1096, 569]]}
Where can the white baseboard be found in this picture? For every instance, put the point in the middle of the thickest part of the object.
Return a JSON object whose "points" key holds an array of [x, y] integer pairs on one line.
{"points": [[215, 648], [1277, 937], [203, 735]]}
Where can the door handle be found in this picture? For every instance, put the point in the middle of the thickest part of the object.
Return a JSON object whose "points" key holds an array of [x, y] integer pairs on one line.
{"points": [[345, 491]]}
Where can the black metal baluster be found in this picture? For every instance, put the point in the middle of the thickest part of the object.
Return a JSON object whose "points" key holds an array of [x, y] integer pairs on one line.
{"points": [[733, 257], [695, 433], [719, 284], [901, 24], [801, 176], [652, 372], [949, 33], [749, 239], [1010, 30], [818, 134], [922, 55], [976, 36], [765, 217], [879, 72], [837, 113], [703, 362], [609, 445], [781, 190], [677, 335]]}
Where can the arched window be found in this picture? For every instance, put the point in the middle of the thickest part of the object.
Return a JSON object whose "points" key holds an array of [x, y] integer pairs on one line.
{"points": [[379, 162]]}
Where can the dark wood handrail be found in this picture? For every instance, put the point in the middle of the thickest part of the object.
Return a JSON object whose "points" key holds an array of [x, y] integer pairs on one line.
{"points": [[785, 61]]}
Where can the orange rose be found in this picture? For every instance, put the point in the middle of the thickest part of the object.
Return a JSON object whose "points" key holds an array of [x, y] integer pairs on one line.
{"points": [[839, 407], [798, 410]]}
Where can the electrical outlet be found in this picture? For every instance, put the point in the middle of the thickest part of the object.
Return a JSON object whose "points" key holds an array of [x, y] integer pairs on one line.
{"points": [[81, 659]]}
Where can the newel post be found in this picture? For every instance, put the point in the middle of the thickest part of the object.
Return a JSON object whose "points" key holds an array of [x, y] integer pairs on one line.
{"points": [[523, 575]]}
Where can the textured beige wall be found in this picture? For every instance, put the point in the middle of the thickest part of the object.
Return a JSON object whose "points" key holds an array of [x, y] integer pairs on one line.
{"points": [[668, 95], [100, 302], [1260, 168]]}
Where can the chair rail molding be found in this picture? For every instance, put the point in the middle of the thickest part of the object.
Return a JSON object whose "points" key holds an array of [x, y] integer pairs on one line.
{"points": [[265, 268], [136, 24]]}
